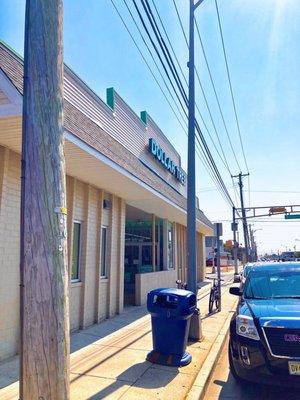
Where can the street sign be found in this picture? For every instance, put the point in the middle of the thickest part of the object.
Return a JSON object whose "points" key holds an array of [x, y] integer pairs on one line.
{"points": [[218, 229], [234, 226], [292, 216]]}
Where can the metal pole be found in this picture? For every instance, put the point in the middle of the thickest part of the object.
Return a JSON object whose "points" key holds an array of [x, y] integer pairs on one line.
{"points": [[213, 270], [191, 189], [195, 326], [219, 266]]}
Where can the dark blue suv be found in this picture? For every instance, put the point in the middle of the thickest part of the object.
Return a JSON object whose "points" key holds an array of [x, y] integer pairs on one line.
{"points": [[264, 343]]}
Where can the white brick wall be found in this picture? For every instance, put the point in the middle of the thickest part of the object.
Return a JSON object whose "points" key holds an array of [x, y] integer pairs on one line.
{"points": [[9, 252], [93, 299], [90, 300]]}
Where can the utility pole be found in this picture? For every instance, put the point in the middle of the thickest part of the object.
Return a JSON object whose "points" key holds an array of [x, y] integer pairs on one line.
{"points": [[44, 313], [245, 227], [195, 327], [234, 228]]}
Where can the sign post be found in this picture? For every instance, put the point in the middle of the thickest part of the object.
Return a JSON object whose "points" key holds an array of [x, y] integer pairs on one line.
{"points": [[218, 231]]}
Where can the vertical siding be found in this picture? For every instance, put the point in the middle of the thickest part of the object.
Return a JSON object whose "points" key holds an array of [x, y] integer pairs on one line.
{"points": [[113, 259], [9, 251], [90, 267], [91, 300]]}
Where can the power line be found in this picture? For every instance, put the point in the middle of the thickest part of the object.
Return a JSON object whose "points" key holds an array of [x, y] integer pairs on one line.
{"points": [[158, 54], [207, 156], [216, 95], [181, 90], [217, 98], [199, 150], [230, 85], [225, 162], [170, 43], [146, 62], [185, 79]]}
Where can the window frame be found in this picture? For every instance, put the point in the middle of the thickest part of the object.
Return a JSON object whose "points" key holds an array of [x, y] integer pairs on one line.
{"points": [[76, 280], [172, 249], [103, 227]]}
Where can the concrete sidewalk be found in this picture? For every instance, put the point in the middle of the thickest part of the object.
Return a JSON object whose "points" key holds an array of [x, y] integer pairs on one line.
{"points": [[108, 360]]}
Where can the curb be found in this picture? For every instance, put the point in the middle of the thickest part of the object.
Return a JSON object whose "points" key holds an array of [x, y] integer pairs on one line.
{"points": [[199, 387]]}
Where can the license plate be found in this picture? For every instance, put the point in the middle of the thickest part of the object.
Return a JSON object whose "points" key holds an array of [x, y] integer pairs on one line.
{"points": [[294, 367]]}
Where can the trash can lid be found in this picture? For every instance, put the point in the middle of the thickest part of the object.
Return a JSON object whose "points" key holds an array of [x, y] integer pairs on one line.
{"points": [[172, 291]]}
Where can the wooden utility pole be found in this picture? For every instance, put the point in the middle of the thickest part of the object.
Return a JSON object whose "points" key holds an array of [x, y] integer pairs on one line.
{"points": [[245, 225], [44, 348]]}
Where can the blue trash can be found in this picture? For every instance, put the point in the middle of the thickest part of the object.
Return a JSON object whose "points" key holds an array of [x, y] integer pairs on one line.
{"points": [[171, 311]]}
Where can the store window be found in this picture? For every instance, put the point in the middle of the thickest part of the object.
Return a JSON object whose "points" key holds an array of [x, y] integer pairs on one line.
{"points": [[160, 243], [75, 274], [103, 261], [170, 245]]}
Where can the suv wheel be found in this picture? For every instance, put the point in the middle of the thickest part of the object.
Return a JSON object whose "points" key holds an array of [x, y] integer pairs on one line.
{"points": [[231, 366]]}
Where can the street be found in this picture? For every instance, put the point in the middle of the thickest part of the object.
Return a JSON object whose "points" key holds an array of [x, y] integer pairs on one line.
{"points": [[222, 386]]}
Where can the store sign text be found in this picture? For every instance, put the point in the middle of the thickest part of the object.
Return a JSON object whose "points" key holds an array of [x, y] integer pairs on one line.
{"points": [[166, 161]]}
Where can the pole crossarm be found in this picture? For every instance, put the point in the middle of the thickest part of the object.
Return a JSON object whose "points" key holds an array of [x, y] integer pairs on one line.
{"points": [[242, 175], [270, 211]]}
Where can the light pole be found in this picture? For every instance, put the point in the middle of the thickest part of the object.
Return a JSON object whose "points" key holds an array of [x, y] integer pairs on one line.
{"points": [[195, 327]]}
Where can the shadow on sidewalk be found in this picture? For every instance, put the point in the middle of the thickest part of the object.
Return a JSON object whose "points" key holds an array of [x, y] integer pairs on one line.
{"points": [[146, 381], [9, 369], [85, 337]]}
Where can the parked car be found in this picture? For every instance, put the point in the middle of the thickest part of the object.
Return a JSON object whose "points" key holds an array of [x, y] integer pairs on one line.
{"points": [[246, 269], [264, 343]]}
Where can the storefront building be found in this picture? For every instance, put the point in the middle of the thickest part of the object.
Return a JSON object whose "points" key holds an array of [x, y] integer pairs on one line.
{"points": [[126, 200]]}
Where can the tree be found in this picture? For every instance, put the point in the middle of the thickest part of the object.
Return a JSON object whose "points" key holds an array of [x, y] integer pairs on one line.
{"points": [[44, 349]]}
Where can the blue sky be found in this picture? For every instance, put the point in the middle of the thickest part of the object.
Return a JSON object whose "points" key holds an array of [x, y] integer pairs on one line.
{"points": [[262, 41]]}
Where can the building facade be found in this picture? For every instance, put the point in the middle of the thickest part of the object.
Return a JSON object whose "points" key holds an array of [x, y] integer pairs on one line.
{"points": [[126, 201]]}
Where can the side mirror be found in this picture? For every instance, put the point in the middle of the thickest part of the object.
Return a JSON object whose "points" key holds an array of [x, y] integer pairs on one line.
{"points": [[235, 291]]}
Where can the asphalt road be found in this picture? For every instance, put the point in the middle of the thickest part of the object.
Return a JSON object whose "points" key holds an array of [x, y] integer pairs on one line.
{"points": [[222, 386]]}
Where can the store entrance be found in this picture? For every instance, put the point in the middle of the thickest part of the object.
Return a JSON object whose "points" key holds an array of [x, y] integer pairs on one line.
{"points": [[143, 248], [131, 264]]}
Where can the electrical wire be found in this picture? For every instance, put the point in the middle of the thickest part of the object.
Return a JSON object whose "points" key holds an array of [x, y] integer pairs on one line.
{"points": [[147, 64], [199, 150], [207, 156], [216, 94], [230, 85], [224, 160], [146, 6]]}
